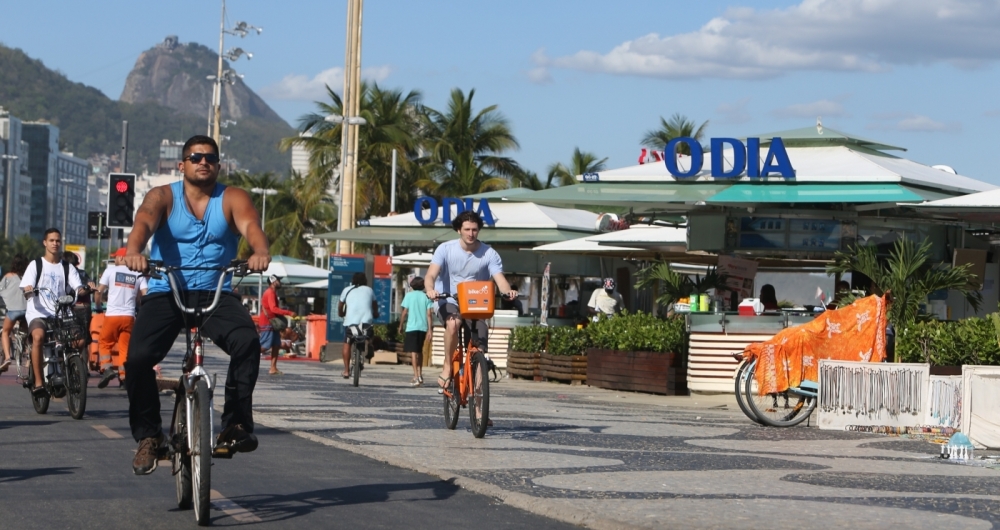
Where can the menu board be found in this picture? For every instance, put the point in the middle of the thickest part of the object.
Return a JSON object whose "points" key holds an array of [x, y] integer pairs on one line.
{"points": [[810, 235]]}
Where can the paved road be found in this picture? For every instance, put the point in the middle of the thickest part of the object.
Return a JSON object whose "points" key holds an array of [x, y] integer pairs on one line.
{"points": [[574, 454], [56, 472]]}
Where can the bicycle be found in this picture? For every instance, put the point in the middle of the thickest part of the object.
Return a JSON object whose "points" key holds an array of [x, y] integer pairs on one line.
{"points": [[358, 336], [780, 409], [191, 443], [470, 381], [64, 370]]}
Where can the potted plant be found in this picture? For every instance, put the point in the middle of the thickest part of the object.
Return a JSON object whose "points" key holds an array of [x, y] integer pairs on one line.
{"points": [[565, 357], [638, 352], [525, 348]]}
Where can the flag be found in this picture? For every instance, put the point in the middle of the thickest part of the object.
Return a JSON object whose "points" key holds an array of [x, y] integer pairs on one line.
{"points": [[649, 156]]}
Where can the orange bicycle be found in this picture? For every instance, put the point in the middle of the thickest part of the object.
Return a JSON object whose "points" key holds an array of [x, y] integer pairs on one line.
{"points": [[470, 382]]}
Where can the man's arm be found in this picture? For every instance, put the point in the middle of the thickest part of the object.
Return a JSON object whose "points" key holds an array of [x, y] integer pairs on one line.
{"points": [[504, 286], [432, 273], [147, 220], [246, 220]]}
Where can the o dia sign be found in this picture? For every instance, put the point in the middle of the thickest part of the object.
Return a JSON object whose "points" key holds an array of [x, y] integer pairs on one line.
{"points": [[425, 209], [745, 158]]}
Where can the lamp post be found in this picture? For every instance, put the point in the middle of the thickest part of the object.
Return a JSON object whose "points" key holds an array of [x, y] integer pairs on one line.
{"points": [[263, 219], [65, 182], [7, 194], [342, 222], [241, 29]]}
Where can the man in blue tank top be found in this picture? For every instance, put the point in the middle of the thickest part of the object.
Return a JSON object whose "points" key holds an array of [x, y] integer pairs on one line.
{"points": [[196, 222]]}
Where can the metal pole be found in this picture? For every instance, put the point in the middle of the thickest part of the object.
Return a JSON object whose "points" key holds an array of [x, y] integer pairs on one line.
{"points": [[217, 93], [121, 231], [10, 180], [65, 186], [355, 111], [100, 230], [260, 278], [345, 187]]}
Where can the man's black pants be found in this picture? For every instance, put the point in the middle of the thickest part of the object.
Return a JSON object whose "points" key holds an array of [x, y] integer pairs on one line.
{"points": [[156, 327]]}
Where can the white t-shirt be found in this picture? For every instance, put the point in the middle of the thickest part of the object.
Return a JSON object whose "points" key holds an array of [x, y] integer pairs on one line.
{"points": [[123, 286], [609, 305], [53, 279]]}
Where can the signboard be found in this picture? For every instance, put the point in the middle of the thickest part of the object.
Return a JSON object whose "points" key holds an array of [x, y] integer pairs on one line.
{"points": [[425, 209], [745, 158], [80, 251], [772, 233], [97, 225], [740, 274], [342, 268]]}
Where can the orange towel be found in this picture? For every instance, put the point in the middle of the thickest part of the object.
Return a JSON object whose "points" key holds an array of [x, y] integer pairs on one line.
{"points": [[852, 333]]}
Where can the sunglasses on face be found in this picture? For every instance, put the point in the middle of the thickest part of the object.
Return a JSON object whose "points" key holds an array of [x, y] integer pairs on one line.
{"points": [[196, 158]]}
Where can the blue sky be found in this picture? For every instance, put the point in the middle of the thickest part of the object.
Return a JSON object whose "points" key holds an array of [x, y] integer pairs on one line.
{"points": [[593, 74]]}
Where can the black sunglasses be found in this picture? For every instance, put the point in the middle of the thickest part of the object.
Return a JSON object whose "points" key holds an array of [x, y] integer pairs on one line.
{"points": [[196, 158]]}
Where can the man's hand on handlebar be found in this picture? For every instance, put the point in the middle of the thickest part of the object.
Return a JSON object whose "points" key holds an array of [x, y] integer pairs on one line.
{"points": [[511, 295], [432, 294], [135, 262], [258, 262]]}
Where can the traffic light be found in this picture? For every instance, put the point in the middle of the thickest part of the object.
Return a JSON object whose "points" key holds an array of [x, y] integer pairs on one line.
{"points": [[121, 200]]}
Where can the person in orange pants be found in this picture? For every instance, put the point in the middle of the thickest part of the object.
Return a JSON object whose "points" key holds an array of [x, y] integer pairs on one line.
{"points": [[123, 287]]}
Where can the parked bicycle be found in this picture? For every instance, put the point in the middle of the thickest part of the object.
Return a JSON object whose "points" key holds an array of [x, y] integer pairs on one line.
{"points": [[781, 409], [191, 444], [358, 336], [470, 382]]}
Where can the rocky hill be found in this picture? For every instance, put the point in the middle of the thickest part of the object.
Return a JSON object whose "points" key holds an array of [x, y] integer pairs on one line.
{"points": [[90, 122], [174, 75]]}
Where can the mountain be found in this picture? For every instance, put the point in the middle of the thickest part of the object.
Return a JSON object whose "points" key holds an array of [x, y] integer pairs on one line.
{"points": [[175, 75], [90, 122]]}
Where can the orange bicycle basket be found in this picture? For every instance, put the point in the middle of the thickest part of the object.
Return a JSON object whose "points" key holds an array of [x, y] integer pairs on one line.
{"points": [[475, 299]]}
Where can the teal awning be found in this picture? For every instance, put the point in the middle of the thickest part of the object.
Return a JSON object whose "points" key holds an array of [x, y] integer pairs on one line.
{"points": [[641, 196], [420, 235], [763, 193]]}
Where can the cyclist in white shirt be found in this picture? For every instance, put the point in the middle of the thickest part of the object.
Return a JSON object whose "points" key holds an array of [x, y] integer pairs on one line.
{"points": [[123, 287], [42, 289]]}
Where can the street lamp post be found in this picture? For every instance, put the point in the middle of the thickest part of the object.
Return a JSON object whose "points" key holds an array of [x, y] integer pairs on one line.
{"points": [[241, 29], [342, 223], [263, 220], [7, 194], [65, 182]]}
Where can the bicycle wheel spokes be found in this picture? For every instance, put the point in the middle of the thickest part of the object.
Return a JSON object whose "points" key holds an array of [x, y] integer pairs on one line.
{"points": [[451, 403], [479, 399], [76, 382], [356, 361], [780, 409], [745, 370]]}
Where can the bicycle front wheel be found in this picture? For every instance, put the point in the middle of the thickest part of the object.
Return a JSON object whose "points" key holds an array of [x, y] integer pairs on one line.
{"points": [[452, 403], [41, 404], [182, 456], [741, 389], [201, 453], [479, 401], [781, 409], [76, 383]]}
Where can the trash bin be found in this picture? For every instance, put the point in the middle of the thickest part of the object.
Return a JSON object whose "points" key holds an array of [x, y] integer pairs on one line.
{"points": [[315, 335]]}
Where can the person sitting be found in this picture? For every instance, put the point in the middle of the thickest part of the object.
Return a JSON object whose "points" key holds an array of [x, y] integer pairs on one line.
{"points": [[605, 300], [768, 297]]}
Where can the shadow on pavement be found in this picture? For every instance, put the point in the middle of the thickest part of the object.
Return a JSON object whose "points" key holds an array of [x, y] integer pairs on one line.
{"points": [[272, 508], [12, 424], [17, 475]]}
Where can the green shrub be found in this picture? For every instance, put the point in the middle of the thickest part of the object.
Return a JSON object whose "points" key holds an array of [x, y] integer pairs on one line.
{"points": [[528, 339], [567, 340], [638, 332], [387, 332], [968, 341]]}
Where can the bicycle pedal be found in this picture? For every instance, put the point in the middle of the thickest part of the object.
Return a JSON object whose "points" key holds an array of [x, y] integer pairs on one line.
{"points": [[223, 451]]}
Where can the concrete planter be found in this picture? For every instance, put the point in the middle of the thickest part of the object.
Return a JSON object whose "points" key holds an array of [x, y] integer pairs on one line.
{"points": [[637, 371]]}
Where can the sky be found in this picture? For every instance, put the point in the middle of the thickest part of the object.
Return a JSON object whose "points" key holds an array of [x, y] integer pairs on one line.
{"points": [[591, 74]]}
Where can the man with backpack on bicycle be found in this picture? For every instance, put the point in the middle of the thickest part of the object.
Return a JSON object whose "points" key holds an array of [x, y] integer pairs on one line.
{"points": [[460, 260], [195, 222], [45, 280], [357, 307]]}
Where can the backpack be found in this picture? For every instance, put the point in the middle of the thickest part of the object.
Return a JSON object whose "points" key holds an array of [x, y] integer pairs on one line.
{"points": [[65, 264]]}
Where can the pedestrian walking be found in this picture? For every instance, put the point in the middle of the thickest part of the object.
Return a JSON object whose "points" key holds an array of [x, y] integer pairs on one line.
{"points": [[270, 336], [416, 323], [124, 288]]}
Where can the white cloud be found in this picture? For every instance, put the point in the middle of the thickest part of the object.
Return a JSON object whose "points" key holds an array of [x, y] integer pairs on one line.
{"points": [[540, 75], [827, 108], [911, 123], [829, 35], [297, 87], [734, 112]]}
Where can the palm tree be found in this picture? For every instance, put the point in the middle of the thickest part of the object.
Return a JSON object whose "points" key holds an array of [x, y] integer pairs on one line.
{"points": [[465, 148], [582, 162], [528, 179], [393, 123], [908, 276], [678, 127]]}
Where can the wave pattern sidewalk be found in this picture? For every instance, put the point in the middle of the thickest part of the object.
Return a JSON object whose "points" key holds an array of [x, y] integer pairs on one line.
{"points": [[614, 460]]}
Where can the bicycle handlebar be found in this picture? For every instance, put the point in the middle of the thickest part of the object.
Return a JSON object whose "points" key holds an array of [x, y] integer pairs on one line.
{"points": [[237, 267]]}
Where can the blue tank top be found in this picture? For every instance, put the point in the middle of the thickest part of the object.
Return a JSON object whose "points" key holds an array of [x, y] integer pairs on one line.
{"points": [[185, 241]]}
